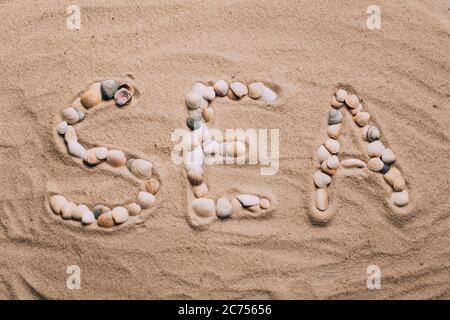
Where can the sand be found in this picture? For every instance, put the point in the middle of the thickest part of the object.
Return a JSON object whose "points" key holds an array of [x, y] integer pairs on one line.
{"points": [[304, 51]]}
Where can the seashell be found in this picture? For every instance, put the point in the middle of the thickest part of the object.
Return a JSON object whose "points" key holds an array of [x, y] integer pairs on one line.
{"points": [[90, 158], [199, 88], [90, 98], [371, 133], [101, 152], [235, 149], [67, 210], [375, 164], [323, 154], [70, 134], [116, 158], [255, 208], [400, 199], [77, 213], [332, 145], [209, 94], [335, 104], [75, 149], [248, 200], [120, 215], [394, 178], [255, 90], [324, 167], [204, 207], [334, 117], [87, 218], [195, 177], [194, 122], [385, 168], [99, 210], [140, 168], [200, 191], [388, 156], [152, 186], [375, 149], [353, 163], [71, 115], [332, 162], [193, 100], [210, 147], [128, 87], [145, 199], [355, 111], [62, 127], [264, 203], [268, 95], [224, 208], [105, 220], [134, 209], [237, 206], [322, 199], [122, 97], [341, 95], [239, 89], [321, 180], [221, 88], [208, 114], [352, 101], [57, 202], [108, 88], [362, 119]]}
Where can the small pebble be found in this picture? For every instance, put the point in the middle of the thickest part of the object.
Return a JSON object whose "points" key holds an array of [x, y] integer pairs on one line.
{"points": [[120, 215], [388, 156], [105, 220], [322, 199], [224, 208], [200, 191], [134, 209], [341, 95], [400, 199], [375, 164], [375, 149], [332, 146]]}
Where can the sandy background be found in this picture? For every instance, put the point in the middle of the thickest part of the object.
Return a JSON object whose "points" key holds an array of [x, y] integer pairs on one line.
{"points": [[304, 50]]}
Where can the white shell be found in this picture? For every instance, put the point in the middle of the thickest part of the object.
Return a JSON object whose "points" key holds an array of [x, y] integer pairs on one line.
{"points": [[248, 200], [101, 153], [200, 191], [140, 168], [353, 163], [70, 134], [199, 88], [120, 215], [332, 146], [375, 149], [87, 218], [322, 153], [145, 199], [341, 94], [116, 158], [352, 101], [322, 199], [400, 199], [77, 214], [221, 88], [239, 89], [90, 158], [388, 156], [62, 127], [255, 90], [268, 95], [362, 119], [332, 162], [193, 100], [336, 104], [71, 115], [134, 209], [67, 210], [321, 180], [57, 202], [209, 93], [334, 130], [204, 207], [224, 208], [76, 149]]}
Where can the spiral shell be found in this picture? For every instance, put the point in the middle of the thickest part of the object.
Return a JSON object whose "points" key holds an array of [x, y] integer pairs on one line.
{"points": [[116, 158], [90, 98], [334, 117], [122, 97], [145, 199], [371, 133], [108, 88], [221, 88], [140, 168]]}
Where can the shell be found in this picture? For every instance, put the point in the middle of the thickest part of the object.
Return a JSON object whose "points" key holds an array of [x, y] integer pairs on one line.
{"points": [[101, 153], [208, 114], [75, 149], [120, 215], [195, 177], [394, 178], [341, 95], [355, 111], [127, 86], [87, 218], [105, 220], [70, 134], [204, 207], [375, 149], [326, 169], [264, 203], [255, 90], [152, 186], [323, 154], [221, 88], [57, 202], [335, 104], [199, 88], [332, 162], [140, 168], [352, 101], [134, 209], [322, 199], [237, 206], [62, 127], [334, 117], [375, 164], [108, 88], [193, 100], [371, 133], [388, 156], [90, 98], [224, 208], [239, 89], [332, 145], [67, 210], [235, 149], [81, 115], [353, 163], [248, 200], [209, 94], [400, 199], [90, 158], [77, 213], [71, 115], [321, 180], [210, 147], [268, 95], [200, 190], [99, 210], [255, 208], [123, 97], [116, 158], [362, 119], [194, 122], [145, 199]]}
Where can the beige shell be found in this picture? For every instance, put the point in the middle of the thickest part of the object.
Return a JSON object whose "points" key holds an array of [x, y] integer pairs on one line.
{"points": [[400, 199], [70, 115], [239, 89], [268, 95], [75, 149], [57, 202], [199, 88], [87, 218], [90, 98], [357, 110], [134, 209], [101, 153], [204, 207], [335, 104], [122, 97], [77, 213], [321, 180], [353, 163], [255, 90], [375, 149], [341, 95], [200, 191], [105, 220], [209, 94], [195, 177], [120, 215], [152, 186], [116, 158], [375, 164], [394, 178], [324, 167], [332, 146], [70, 134], [264, 203], [141, 168], [248, 200], [352, 101], [208, 114], [90, 158], [388, 156], [221, 88], [224, 208], [67, 210], [322, 199], [62, 127], [333, 162], [193, 100], [127, 87], [323, 154], [362, 118], [145, 199]]}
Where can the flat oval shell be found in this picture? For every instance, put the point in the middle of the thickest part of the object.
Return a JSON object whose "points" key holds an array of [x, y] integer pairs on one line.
{"points": [[255, 90], [332, 145], [67, 210], [152, 186], [99, 210], [334, 117], [224, 208], [323, 154], [239, 89], [362, 119], [108, 88], [268, 95], [388, 156], [77, 213], [375, 164], [193, 100], [120, 215], [200, 190], [321, 180], [209, 94], [101, 153], [116, 158], [248, 200], [352, 101], [57, 202], [194, 122], [87, 218], [335, 104], [333, 162], [204, 207], [195, 177], [264, 203], [208, 114], [341, 95], [134, 209], [221, 88], [321, 199], [75, 149], [70, 134], [145, 199], [62, 127], [375, 149], [140, 168], [353, 163], [70, 115]]}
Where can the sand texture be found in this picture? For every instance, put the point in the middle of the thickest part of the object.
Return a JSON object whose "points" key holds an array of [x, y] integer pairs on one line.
{"points": [[304, 51]]}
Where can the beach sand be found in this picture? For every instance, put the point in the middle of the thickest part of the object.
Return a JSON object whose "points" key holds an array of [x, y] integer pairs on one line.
{"points": [[303, 50]]}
